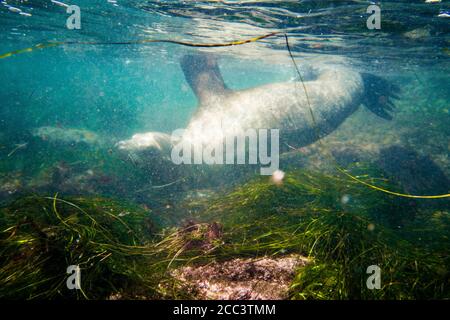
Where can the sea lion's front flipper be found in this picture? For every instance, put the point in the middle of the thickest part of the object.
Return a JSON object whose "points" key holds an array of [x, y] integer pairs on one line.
{"points": [[203, 75], [379, 94]]}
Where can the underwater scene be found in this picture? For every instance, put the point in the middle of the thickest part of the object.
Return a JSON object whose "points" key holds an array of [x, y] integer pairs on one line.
{"points": [[224, 150]]}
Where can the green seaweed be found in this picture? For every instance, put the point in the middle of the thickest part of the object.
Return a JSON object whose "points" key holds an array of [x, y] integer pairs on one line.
{"points": [[42, 236], [340, 225], [306, 214]]}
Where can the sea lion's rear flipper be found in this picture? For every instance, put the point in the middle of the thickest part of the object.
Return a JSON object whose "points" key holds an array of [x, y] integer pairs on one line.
{"points": [[203, 75], [378, 95]]}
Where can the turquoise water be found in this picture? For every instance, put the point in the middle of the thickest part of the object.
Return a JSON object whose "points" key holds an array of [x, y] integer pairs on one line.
{"points": [[117, 90], [65, 108], [112, 91], [99, 86]]}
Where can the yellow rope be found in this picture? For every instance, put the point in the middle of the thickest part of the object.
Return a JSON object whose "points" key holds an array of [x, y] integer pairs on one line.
{"points": [[38, 46], [439, 196], [183, 43]]}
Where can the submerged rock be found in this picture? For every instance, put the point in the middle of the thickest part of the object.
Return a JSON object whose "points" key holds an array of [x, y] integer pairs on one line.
{"points": [[416, 173], [76, 178], [10, 184], [419, 33], [242, 279], [201, 236], [67, 135]]}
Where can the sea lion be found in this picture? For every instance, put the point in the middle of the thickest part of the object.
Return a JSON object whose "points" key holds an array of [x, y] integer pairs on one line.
{"points": [[333, 92]]}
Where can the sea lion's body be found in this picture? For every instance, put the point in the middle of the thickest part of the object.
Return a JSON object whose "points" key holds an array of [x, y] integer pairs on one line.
{"points": [[333, 92], [334, 95]]}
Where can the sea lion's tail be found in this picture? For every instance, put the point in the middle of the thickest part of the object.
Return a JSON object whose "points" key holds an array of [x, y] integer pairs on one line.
{"points": [[202, 72], [378, 95]]}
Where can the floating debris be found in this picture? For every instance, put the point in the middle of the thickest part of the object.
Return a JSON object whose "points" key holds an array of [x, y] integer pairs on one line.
{"points": [[14, 9], [18, 147], [59, 3], [419, 33], [277, 177]]}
